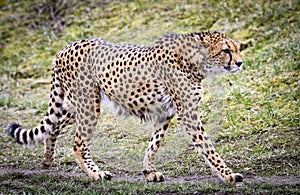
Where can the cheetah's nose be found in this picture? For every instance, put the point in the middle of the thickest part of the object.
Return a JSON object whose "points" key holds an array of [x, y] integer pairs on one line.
{"points": [[239, 63]]}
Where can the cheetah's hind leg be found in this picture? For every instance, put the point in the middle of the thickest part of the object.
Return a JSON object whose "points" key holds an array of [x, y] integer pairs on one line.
{"points": [[68, 118], [87, 115]]}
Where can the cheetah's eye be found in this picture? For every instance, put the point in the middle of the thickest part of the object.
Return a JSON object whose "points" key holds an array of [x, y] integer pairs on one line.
{"points": [[227, 51]]}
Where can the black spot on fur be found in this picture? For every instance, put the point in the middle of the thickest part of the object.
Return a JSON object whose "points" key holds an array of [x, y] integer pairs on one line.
{"points": [[43, 129], [48, 121]]}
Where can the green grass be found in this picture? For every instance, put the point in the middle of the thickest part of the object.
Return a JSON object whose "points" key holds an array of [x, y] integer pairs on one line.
{"points": [[252, 116]]}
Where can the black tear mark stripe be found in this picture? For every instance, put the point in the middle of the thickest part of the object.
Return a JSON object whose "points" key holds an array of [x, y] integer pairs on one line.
{"points": [[230, 56], [230, 59]]}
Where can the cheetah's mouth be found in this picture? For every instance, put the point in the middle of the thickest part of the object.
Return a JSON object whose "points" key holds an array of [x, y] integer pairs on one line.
{"points": [[232, 69]]}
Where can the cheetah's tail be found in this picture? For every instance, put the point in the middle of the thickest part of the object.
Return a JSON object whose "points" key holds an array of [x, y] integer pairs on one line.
{"points": [[47, 124]]}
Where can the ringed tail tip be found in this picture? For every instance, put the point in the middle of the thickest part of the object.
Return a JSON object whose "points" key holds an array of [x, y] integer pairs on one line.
{"points": [[11, 128]]}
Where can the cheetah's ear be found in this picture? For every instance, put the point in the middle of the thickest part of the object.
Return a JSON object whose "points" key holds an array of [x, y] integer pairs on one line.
{"points": [[200, 39]]}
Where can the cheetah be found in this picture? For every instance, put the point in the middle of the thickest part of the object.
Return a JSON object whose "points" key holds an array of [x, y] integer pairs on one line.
{"points": [[152, 83]]}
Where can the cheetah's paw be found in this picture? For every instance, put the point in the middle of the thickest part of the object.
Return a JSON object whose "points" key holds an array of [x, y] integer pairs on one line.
{"points": [[102, 175], [47, 162], [238, 177], [154, 177], [234, 178]]}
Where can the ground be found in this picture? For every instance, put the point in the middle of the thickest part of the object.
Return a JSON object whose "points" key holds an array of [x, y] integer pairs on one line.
{"points": [[253, 116]]}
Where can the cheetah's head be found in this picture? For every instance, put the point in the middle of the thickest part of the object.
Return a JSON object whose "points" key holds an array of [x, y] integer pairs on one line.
{"points": [[223, 52]]}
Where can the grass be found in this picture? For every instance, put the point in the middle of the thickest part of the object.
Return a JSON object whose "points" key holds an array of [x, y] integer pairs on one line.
{"points": [[85, 186], [253, 116]]}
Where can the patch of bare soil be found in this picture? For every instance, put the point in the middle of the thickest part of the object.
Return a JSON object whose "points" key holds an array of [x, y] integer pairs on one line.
{"points": [[276, 180]]}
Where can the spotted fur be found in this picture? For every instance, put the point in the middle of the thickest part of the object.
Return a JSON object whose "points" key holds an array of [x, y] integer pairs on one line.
{"points": [[151, 82]]}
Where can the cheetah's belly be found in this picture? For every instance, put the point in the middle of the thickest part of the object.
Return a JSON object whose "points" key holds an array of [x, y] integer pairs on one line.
{"points": [[156, 107]]}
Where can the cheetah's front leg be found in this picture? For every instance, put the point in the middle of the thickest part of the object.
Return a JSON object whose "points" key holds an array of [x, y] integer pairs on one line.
{"points": [[156, 139], [204, 145]]}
